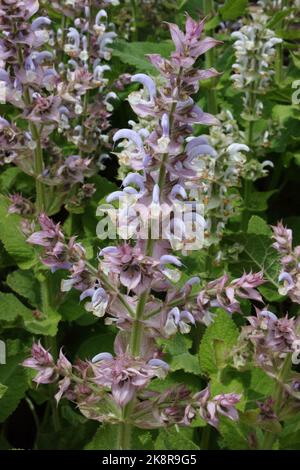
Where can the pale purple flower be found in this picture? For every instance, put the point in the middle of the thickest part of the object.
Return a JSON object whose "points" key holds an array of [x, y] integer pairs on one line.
{"points": [[178, 321], [80, 277], [129, 266], [225, 294], [289, 258], [210, 408], [45, 110], [124, 375], [147, 82], [20, 205], [57, 253], [74, 169], [41, 361], [64, 368], [99, 301], [129, 135], [50, 233], [283, 238]]}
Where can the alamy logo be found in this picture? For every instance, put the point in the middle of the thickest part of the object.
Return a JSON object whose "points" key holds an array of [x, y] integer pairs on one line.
{"points": [[2, 92], [296, 94], [180, 223], [2, 352]]}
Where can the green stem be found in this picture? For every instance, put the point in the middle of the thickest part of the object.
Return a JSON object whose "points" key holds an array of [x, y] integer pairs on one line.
{"points": [[211, 94], [137, 327], [205, 436], [40, 204], [279, 64], [38, 169], [38, 152], [55, 415], [134, 20], [34, 414], [248, 183], [270, 438], [279, 53], [124, 436]]}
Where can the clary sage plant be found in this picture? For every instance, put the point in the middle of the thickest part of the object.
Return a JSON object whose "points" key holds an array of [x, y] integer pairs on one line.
{"points": [[157, 290]]}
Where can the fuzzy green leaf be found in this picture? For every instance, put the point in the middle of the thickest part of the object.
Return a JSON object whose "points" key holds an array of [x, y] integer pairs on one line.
{"points": [[234, 436], [134, 53], [178, 355], [13, 239], [232, 9], [11, 308], [46, 325], [25, 284], [216, 343], [3, 389], [175, 439], [259, 200], [259, 226], [14, 377], [106, 438], [259, 255]]}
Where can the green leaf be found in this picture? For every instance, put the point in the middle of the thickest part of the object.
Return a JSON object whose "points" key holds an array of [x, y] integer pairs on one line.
{"points": [[278, 17], [216, 343], [134, 53], [179, 357], [12, 238], [5, 259], [235, 438], [175, 438], [186, 362], [8, 178], [270, 293], [261, 383], [14, 377], [46, 325], [289, 34], [25, 284], [96, 344], [259, 200], [71, 309], [3, 389], [282, 112], [212, 23], [290, 435], [69, 414], [290, 441], [106, 438], [259, 226], [259, 255], [11, 308], [232, 9]]}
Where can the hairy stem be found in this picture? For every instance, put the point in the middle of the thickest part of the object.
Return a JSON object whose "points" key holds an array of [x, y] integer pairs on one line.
{"points": [[137, 327], [205, 436], [38, 169], [270, 438], [134, 20], [40, 204], [279, 53], [124, 436], [211, 94], [248, 185]]}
